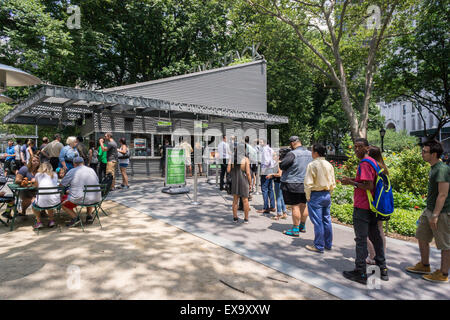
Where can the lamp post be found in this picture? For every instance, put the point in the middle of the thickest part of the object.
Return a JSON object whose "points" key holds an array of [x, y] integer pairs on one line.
{"points": [[382, 133]]}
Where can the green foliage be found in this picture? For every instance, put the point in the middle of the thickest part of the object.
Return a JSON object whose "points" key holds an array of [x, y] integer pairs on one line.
{"points": [[408, 172], [408, 201], [342, 212], [342, 194], [417, 63], [393, 141], [402, 221]]}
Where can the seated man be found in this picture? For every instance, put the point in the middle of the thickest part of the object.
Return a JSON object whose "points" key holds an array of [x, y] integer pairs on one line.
{"points": [[76, 179]]}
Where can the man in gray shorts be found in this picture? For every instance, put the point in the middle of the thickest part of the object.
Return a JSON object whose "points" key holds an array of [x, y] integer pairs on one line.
{"points": [[435, 220]]}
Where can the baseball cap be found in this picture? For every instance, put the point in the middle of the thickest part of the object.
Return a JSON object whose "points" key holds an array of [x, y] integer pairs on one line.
{"points": [[78, 160], [293, 139]]}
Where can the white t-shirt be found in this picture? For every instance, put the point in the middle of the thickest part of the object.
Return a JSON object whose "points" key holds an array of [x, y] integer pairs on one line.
{"points": [[76, 179], [45, 181]]}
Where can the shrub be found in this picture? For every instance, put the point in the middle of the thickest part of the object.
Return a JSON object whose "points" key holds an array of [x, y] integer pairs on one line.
{"points": [[402, 221], [393, 141], [408, 171]]}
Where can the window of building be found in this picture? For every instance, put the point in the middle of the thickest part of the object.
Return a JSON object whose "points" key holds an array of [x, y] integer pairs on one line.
{"points": [[413, 122], [404, 109], [430, 120]]}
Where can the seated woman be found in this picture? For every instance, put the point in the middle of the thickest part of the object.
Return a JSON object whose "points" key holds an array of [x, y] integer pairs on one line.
{"points": [[28, 171], [45, 178]]}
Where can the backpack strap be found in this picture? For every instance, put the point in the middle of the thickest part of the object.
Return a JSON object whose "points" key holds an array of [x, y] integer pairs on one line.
{"points": [[375, 166]]}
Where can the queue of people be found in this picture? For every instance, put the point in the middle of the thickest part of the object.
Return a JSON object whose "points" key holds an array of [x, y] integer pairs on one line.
{"points": [[307, 180]]}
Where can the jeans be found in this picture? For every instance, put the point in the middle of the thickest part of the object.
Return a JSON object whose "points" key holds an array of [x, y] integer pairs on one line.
{"points": [[319, 213], [223, 170], [101, 171], [281, 207], [365, 225], [267, 191]]}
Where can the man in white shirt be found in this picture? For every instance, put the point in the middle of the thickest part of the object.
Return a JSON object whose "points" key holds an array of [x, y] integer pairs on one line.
{"points": [[76, 179], [187, 154], [267, 162], [224, 155]]}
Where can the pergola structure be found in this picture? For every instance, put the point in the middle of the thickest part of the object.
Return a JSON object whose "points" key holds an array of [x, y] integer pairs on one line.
{"points": [[55, 105], [147, 113]]}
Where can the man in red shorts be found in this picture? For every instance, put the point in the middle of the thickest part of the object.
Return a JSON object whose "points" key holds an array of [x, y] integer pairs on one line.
{"points": [[76, 179]]}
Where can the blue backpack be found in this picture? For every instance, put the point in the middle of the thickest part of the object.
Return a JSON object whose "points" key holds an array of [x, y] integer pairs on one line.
{"points": [[383, 201]]}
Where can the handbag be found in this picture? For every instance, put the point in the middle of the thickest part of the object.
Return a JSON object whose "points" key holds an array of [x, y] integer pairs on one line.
{"points": [[125, 156]]}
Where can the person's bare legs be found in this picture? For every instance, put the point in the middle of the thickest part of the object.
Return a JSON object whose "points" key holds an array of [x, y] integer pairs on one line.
{"points": [[246, 207], [303, 213], [445, 261], [424, 248], [123, 171], [235, 205], [296, 215], [37, 214], [70, 212], [26, 202]]}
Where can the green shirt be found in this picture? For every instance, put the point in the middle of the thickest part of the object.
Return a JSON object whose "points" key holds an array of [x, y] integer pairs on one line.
{"points": [[440, 172], [102, 155]]}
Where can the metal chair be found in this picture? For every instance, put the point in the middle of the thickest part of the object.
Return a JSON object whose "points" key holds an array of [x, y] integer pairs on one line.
{"points": [[49, 191], [97, 205]]}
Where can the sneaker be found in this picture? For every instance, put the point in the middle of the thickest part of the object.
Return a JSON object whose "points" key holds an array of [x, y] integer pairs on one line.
{"points": [[302, 228], [356, 275], [436, 276], [245, 221], [51, 224], [384, 274], [89, 219], [235, 220], [419, 268], [73, 222], [37, 225], [313, 249]]}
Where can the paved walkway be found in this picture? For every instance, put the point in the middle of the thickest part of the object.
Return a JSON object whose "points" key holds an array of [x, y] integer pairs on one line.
{"points": [[133, 257], [262, 240]]}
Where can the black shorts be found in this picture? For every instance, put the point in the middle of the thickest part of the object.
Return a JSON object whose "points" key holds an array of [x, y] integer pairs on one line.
{"points": [[292, 198], [254, 168]]}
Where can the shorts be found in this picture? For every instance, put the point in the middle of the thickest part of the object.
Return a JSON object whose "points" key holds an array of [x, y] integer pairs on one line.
{"points": [[293, 199], [187, 161], [111, 168], [441, 235], [123, 165], [254, 168], [69, 205]]}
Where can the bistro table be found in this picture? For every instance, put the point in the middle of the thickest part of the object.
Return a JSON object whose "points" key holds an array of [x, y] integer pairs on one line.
{"points": [[16, 189]]}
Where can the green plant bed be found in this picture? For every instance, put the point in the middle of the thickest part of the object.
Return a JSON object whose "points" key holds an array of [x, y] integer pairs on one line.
{"points": [[402, 221]]}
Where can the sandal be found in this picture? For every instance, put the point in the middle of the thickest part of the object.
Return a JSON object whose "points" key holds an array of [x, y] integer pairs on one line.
{"points": [[370, 261], [277, 217], [284, 216], [294, 232]]}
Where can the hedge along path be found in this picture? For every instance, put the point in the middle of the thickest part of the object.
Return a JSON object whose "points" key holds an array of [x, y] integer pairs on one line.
{"points": [[402, 221]]}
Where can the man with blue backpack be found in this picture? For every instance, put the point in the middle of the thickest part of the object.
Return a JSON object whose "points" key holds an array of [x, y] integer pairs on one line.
{"points": [[364, 218]]}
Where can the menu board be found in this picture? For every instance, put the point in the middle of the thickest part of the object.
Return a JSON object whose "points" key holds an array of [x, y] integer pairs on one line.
{"points": [[140, 143], [175, 167]]}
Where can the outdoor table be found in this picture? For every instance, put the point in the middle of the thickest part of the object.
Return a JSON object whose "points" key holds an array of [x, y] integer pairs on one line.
{"points": [[15, 189]]}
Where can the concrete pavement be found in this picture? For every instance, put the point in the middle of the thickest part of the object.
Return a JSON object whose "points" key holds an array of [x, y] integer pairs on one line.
{"points": [[262, 240]]}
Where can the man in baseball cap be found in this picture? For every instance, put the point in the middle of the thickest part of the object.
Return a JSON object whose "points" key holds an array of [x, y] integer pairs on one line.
{"points": [[76, 179], [294, 166]]}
